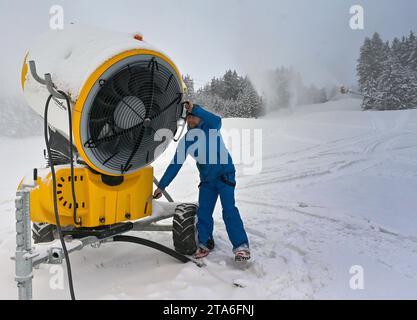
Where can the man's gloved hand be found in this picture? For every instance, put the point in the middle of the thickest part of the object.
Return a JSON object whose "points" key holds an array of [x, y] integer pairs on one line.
{"points": [[157, 194], [188, 105]]}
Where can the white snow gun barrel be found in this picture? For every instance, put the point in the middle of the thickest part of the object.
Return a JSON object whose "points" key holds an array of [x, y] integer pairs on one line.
{"points": [[122, 91]]}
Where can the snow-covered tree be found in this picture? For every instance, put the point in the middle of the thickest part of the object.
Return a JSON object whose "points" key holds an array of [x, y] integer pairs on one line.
{"points": [[397, 86], [411, 45], [248, 100], [388, 73], [189, 93], [373, 55], [230, 96], [370, 98], [231, 85]]}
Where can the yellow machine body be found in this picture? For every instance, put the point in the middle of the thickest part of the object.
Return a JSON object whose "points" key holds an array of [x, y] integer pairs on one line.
{"points": [[98, 204]]}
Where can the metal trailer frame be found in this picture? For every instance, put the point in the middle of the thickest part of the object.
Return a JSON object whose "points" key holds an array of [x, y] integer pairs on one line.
{"points": [[28, 257]]}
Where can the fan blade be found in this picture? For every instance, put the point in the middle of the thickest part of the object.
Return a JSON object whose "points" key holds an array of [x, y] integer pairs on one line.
{"points": [[126, 167], [177, 100], [94, 143], [154, 65], [119, 84], [105, 107]]}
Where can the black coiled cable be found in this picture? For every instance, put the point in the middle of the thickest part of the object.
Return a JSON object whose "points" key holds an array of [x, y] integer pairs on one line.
{"points": [[54, 187]]}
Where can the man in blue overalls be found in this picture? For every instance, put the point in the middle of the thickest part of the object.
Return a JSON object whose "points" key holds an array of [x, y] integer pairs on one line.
{"points": [[204, 143]]}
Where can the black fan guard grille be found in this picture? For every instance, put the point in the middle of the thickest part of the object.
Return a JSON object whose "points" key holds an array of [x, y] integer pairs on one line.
{"points": [[142, 95]]}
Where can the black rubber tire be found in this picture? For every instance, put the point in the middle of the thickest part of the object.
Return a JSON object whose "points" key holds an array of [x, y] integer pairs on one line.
{"points": [[43, 232], [184, 231]]}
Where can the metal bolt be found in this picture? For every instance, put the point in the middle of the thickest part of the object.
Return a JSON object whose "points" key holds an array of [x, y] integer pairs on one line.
{"points": [[102, 220], [147, 122], [127, 215]]}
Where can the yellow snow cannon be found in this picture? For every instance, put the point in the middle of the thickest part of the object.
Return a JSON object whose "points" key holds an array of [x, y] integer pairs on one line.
{"points": [[125, 101], [111, 105]]}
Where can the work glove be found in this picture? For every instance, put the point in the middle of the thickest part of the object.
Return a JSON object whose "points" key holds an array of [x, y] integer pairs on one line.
{"points": [[188, 105], [157, 194]]}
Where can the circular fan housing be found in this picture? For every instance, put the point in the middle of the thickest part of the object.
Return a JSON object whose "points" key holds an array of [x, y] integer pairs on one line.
{"points": [[124, 112]]}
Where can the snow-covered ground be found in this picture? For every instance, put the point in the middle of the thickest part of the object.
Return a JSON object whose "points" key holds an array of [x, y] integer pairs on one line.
{"points": [[337, 189]]}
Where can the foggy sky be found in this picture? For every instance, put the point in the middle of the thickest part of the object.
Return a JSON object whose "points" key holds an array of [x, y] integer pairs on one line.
{"points": [[206, 37]]}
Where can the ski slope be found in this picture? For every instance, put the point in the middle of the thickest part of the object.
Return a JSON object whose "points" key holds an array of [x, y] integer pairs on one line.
{"points": [[337, 189]]}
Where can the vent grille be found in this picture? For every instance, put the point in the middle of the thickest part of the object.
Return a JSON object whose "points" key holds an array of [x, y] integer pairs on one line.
{"points": [[64, 194]]}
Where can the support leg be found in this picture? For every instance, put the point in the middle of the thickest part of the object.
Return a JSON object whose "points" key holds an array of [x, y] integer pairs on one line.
{"points": [[23, 258]]}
